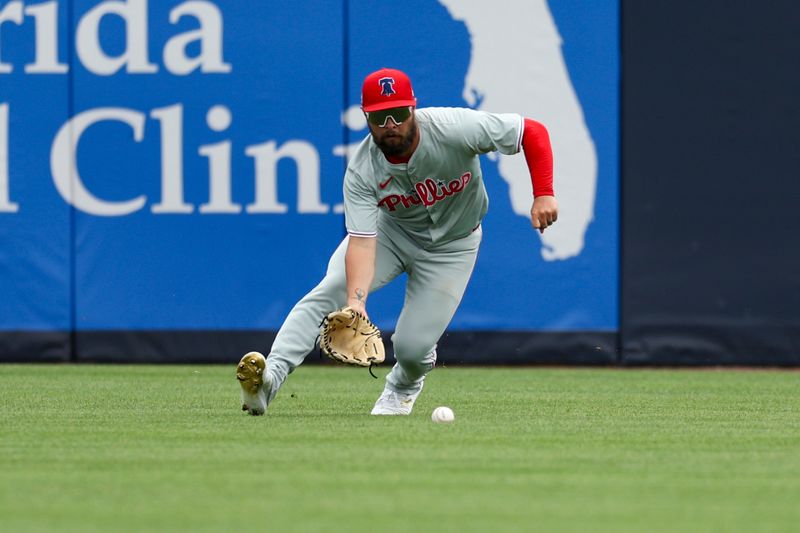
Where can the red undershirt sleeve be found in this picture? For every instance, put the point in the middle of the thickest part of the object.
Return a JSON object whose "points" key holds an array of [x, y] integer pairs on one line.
{"points": [[539, 156]]}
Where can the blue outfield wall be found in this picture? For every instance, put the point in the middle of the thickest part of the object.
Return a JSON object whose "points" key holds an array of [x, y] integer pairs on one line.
{"points": [[711, 262], [170, 172]]}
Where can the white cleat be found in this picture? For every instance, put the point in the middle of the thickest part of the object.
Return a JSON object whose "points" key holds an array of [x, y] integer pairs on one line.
{"points": [[255, 383], [395, 403]]}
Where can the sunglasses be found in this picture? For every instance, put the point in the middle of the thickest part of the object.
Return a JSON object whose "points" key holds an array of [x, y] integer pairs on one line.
{"points": [[398, 114]]}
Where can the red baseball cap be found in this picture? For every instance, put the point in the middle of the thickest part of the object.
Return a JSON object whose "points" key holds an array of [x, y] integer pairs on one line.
{"points": [[386, 88]]}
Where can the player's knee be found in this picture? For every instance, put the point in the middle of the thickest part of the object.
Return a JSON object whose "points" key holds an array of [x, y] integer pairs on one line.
{"points": [[408, 349], [412, 355]]}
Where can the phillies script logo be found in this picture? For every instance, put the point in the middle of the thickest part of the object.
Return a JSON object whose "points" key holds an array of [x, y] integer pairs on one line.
{"points": [[426, 192]]}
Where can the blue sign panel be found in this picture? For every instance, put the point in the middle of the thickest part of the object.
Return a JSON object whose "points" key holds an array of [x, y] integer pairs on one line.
{"points": [[209, 150], [178, 165], [35, 221], [557, 63]]}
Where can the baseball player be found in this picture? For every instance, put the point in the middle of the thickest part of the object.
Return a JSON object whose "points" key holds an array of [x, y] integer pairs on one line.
{"points": [[414, 200]]}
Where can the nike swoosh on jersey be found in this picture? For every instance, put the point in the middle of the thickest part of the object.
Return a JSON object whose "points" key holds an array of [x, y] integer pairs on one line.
{"points": [[383, 184]]}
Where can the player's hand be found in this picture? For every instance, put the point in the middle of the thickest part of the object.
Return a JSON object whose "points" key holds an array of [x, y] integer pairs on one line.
{"points": [[358, 305], [544, 212]]}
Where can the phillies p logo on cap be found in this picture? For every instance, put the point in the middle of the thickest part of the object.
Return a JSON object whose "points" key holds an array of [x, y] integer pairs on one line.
{"points": [[386, 88]]}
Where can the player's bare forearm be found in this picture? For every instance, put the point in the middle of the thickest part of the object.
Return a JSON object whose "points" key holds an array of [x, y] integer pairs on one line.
{"points": [[360, 269], [544, 212]]}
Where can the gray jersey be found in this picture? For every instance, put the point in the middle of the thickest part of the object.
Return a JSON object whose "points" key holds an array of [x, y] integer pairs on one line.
{"points": [[438, 196]]}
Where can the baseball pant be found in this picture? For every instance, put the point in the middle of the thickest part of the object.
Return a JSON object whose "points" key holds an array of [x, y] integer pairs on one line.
{"points": [[437, 277]]}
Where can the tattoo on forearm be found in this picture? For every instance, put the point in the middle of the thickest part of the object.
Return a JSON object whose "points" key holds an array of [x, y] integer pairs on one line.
{"points": [[360, 295]]}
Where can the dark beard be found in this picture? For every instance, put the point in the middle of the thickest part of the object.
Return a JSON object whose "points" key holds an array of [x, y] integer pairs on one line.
{"points": [[398, 149]]}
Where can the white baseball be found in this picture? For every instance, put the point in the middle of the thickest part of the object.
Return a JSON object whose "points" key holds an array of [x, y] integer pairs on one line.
{"points": [[443, 414]]}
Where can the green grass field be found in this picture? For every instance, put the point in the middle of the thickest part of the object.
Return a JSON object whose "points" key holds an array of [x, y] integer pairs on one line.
{"points": [[142, 448]]}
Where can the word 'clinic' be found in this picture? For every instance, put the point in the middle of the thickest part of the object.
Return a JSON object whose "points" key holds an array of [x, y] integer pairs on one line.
{"points": [[134, 58], [266, 157], [130, 52]]}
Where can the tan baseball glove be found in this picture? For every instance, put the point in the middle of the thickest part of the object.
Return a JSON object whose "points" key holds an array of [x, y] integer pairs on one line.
{"points": [[349, 337]]}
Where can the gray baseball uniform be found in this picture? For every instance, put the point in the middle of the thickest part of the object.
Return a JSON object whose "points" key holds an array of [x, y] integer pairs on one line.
{"points": [[426, 217]]}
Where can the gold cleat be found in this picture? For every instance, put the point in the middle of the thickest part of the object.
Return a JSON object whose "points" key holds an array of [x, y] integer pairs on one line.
{"points": [[251, 374]]}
